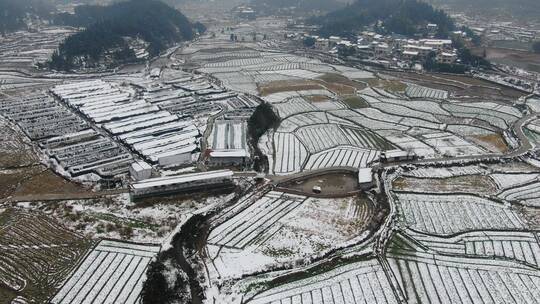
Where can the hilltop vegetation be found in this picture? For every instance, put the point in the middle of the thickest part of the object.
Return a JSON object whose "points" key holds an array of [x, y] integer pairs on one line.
{"points": [[516, 8], [301, 6], [405, 17], [14, 14], [104, 39]]}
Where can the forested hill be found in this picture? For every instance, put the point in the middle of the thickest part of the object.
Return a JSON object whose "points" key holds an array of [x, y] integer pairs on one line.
{"points": [[405, 17], [300, 6], [516, 8], [104, 41], [15, 13]]}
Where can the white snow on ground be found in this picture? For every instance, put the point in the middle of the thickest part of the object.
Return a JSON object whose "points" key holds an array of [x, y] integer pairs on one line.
{"points": [[110, 217], [360, 282], [281, 228], [510, 180], [113, 272]]}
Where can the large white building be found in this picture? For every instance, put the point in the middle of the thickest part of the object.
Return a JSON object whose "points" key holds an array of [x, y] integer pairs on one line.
{"points": [[181, 183], [227, 144]]}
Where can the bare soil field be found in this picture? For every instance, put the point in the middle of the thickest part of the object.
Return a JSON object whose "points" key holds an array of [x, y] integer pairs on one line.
{"points": [[37, 254], [469, 183], [356, 102], [36, 180], [518, 58], [493, 142]]}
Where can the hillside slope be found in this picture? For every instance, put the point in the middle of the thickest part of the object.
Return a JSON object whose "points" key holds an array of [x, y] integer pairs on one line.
{"points": [[110, 31]]}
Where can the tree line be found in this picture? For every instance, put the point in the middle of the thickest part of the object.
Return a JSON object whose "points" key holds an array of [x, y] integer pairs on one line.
{"points": [[105, 27]]}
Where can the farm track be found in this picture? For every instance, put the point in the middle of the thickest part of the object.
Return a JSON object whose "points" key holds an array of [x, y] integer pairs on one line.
{"points": [[60, 197]]}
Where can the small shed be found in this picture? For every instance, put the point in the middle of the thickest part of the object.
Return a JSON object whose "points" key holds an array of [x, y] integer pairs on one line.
{"points": [[140, 170], [365, 178]]}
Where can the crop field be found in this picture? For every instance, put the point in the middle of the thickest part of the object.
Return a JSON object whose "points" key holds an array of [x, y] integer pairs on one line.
{"points": [[113, 272], [415, 91], [361, 282], [521, 246], [15, 151], [448, 214], [342, 157], [37, 254], [481, 184], [425, 277], [265, 229], [253, 222]]}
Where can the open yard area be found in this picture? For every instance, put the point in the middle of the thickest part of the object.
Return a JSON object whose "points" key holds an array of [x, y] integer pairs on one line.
{"points": [[331, 184]]}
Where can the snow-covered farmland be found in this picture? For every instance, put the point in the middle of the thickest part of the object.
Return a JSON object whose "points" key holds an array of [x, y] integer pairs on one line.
{"points": [[433, 278], [360, 282], [448, 214], [264, 230], [416, 91], [253, 222], [113, 272], [516, 245], [342, 157]]}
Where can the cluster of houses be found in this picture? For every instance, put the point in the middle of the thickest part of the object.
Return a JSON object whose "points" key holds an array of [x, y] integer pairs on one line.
{"points": [[390, 47]]}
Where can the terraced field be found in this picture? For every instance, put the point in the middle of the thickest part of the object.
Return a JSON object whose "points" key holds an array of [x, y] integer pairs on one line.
{"points": [[37, 254]]}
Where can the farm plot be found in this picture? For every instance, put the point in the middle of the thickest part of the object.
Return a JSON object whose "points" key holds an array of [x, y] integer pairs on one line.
{"points": [[113, 272], [342, 157], [252, 223], [448, 214], [451, 145], [480, 184], [510, 180], [290, 153], [265, 229], [37, 254], [360, 282], [527, 193], [415, 91], [515, 245], [435, 278], [293, 106], [321, 137], [15, 151], [444, 172], [496, 118], [409, 143]]}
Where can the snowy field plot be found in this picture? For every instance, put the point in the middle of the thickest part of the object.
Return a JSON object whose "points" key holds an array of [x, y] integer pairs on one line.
{"points": [[113, 272], [361, 282], [493, 115], [432, 172], [315, 227], [409, 143], [427, 278], [529, 193], [293, 106], [321, 137], [290, 153], [448, 214], [506, 180], [451, 145], [342, 157], [516, 245], [415, 91], [253, 223]]}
